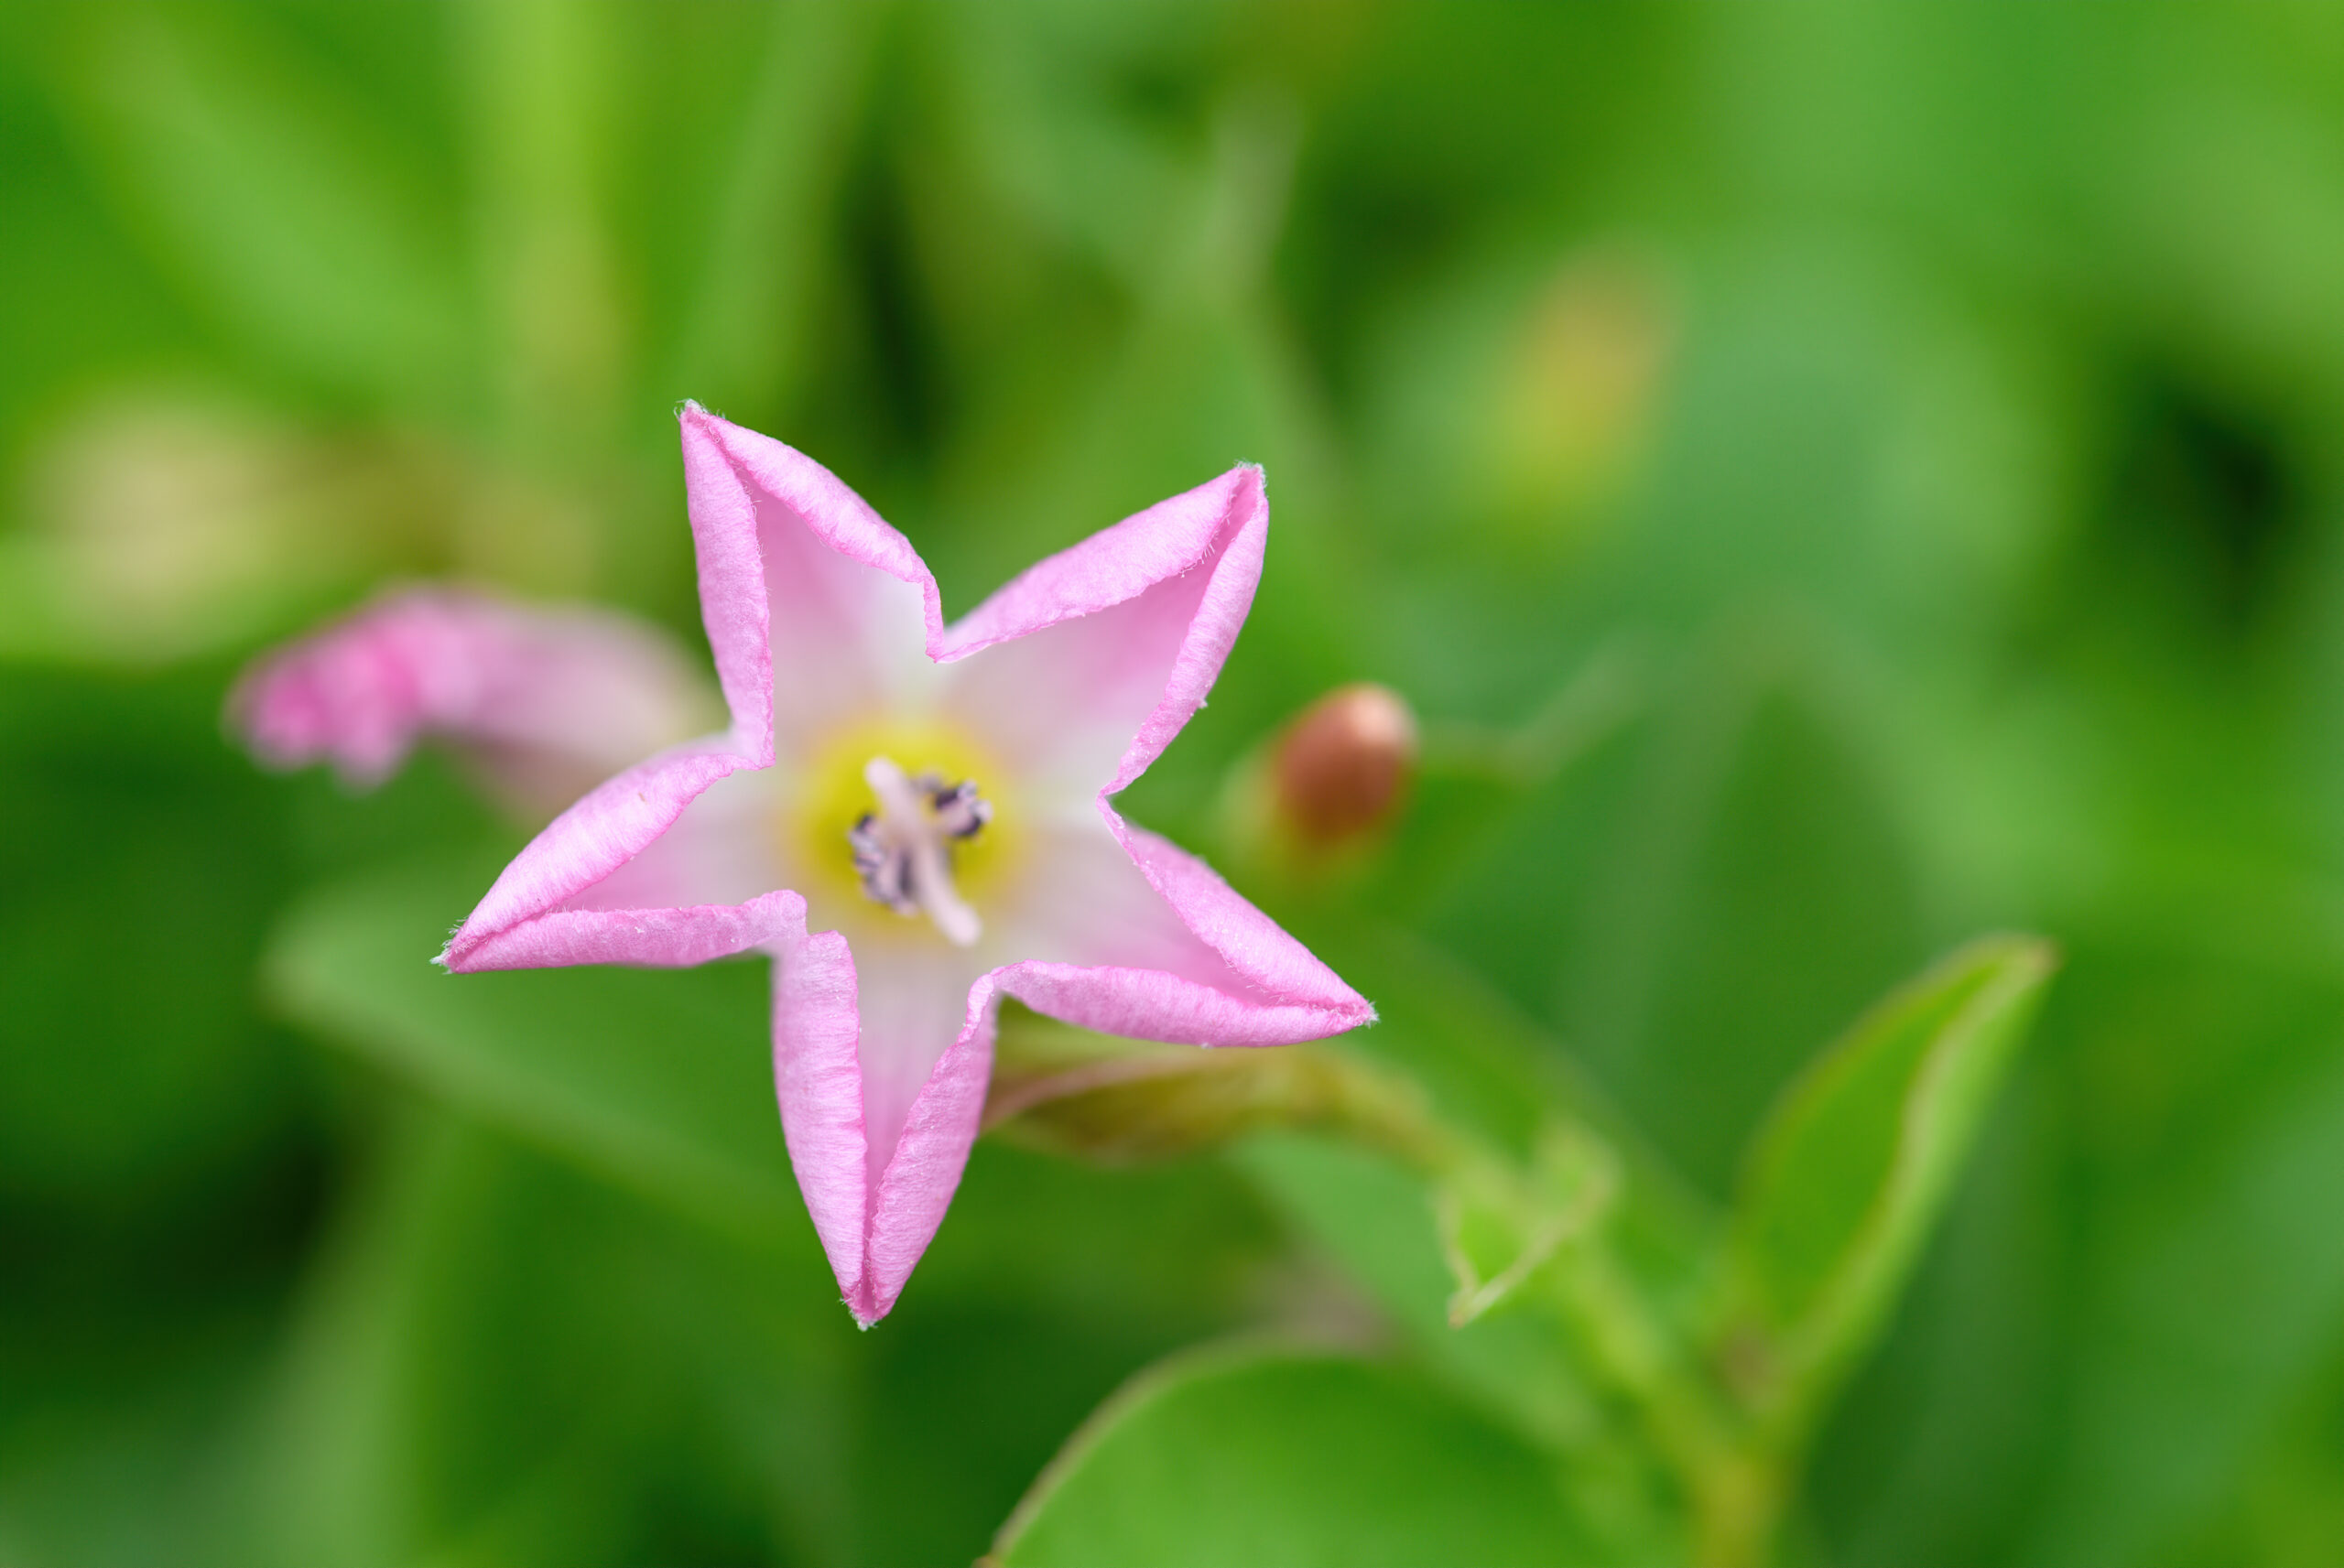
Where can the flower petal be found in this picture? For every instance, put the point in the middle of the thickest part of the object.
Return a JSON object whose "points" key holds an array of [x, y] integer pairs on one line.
{"points": [[881, 1066], [530, 918], [1162, 948], [1270, 962], [1091, 661], [724, 847], [1085, 901], [546, 701], [820, 1086], [797, 575], [794, 570], [913, 1000], [1151, 1004], [930, 1154]]}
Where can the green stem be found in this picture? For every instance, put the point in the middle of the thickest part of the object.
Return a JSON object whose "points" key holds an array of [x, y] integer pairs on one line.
{"points": [[1734, 1472], [1734, 1481], [1735, 1487], [1736, 1484]]}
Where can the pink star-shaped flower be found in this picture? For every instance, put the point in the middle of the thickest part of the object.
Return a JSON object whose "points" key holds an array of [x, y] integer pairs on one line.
{"points": [[912, 820]]}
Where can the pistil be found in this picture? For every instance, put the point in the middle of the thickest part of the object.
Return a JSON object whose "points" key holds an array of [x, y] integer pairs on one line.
{"points": [[903, 851]]}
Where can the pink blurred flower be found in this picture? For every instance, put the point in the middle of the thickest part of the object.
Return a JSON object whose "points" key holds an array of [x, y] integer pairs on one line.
{"points": [[932, 801], [542, 703]]}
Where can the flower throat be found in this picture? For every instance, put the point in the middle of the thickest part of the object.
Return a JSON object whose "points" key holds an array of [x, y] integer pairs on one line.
{"points": [[903, 851]]}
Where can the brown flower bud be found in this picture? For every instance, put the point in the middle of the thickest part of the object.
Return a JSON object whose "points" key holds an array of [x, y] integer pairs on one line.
{"points": [[1343, 769]]}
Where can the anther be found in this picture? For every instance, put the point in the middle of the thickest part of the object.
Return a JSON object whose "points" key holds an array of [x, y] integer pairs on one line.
{"points": [[884, 868], [961, 811], [903, 851]]}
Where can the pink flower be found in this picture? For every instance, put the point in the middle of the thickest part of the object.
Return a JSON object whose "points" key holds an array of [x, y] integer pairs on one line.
{"points": [[542, 703], [912, 820]]}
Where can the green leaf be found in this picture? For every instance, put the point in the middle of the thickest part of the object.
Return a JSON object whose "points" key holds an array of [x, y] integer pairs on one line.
{"points": [[1282, 1458], [1850, 1171], [502, 1360], [658, 1077], [1499, 1225], [1378, 1222]]}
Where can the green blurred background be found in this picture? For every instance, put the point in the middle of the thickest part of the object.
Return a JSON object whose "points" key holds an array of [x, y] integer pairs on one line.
{"points": [[1831, 480]]}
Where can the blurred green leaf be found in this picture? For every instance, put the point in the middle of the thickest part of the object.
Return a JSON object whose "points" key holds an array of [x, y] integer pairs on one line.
{"points": [[1847, 1178], [1685, 981], [1977, 527], [1378, 1223], [659, 1077], [1437, 1226], [1497, 1075], [506, 1361], [119, 1437], [1048, 1284], [140, 871], [302, 219], [743, 325], [1935, 1454], [2211, 1319], [2286, 1509], [1290, 1459]]}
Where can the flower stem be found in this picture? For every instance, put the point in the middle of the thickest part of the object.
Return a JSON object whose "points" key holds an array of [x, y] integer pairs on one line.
{"points": [[1731, 1470], [1735, 1482]]}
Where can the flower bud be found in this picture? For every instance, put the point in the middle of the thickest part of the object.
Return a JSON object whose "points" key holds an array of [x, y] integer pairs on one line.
{"points": [[1342, 770], [543, 703], [1071, 1092]]}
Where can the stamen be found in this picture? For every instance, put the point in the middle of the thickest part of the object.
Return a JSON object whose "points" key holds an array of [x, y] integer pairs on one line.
{"points": [[903, 851], [885, 870], [961, 811]]}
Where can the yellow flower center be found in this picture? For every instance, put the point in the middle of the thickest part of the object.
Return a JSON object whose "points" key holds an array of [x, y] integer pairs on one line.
{"points": [[833, 793]]}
